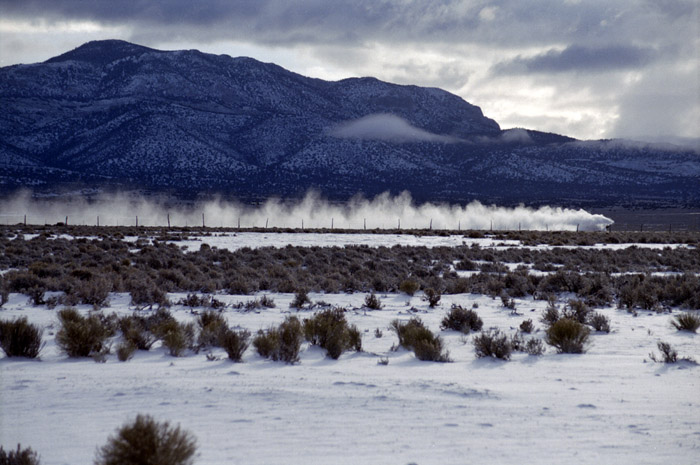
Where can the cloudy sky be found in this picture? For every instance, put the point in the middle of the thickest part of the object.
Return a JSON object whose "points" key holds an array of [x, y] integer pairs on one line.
{"points": [[586, 68]]}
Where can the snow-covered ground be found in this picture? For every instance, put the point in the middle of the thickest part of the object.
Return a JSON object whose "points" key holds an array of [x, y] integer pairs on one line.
{"points": [[235, 241], [611, 405]]}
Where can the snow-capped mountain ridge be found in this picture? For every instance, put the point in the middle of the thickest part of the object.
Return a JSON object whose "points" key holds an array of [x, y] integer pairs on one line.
{"points": [[111, 113]]}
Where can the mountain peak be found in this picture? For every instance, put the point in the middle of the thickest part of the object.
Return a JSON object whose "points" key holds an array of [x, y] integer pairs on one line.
{"points": [[112, 114], [102, 52]]}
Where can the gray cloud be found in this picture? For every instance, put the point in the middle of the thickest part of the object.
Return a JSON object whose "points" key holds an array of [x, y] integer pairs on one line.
{"points": [[570, 64], [580, 58], [385, 127], [504, 23]]}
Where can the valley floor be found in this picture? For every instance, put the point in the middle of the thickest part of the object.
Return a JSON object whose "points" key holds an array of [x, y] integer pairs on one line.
{"points": [[609, 405]]}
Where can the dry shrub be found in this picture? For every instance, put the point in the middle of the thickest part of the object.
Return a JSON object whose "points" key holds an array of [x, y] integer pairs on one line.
{"points": [[211, 324], [576, 310], [493, 343], [19, 338], [461, 319], [550, 315], [19, 457], [177, 337], [234, 343], [146, 441], [373, 302], [94, 292], [282, 343], [599, 322], [301, 298], [136, 333], [432, 297], [145, 293], [686, 322], [330, 330], [527, 326], [415, 336], [568, 336], [668, 353], [409, 286], [125, 351], [80, 336], [534, 346]]}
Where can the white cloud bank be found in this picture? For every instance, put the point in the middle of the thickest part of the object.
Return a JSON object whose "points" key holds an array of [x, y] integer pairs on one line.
{"points": [[386, 127], [382, 212]]}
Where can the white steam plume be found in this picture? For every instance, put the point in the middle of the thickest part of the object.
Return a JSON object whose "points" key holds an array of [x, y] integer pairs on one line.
{"points": [[383, 212]]}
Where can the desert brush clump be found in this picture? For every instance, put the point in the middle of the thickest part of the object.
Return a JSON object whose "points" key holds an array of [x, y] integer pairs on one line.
{"points": [[414, 335], [531, 346], [599, 322], [234, 342], [534, 346], [409, 286], [281, 343], [80, 336], [19, 338], [686, 321], [146, 293], [493, 343], [301, 298], [432, 297], [668, 353], [576, 310], [211, 323], [125, 351], [568, 336], [551, 314], [93, 292], [177, 337], [461, 319], [146, 441], [194, 300], [373, 302], [18, 457], [135, 330], [527, 326], [329, 330]]}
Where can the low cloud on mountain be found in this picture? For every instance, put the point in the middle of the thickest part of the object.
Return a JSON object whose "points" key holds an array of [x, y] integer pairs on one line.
{"points": [[386, 127]]}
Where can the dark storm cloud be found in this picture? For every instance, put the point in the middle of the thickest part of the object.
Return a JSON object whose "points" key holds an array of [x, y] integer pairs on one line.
{"points": [[580, 58], [564, 63], [509, 23]]}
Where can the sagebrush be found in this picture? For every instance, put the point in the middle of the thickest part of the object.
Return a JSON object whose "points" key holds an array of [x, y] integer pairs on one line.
{"points": [[19, 338], [148, 442]]}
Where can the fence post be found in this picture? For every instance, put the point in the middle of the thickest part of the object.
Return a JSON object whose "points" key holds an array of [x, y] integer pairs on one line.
{"points": [[203, 220]]}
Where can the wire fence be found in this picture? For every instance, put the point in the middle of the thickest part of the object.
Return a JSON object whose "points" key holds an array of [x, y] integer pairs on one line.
{"points": [[687, 222]]}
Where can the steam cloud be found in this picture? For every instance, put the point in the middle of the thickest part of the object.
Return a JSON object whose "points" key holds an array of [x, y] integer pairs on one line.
{"points": [[383, 212]]}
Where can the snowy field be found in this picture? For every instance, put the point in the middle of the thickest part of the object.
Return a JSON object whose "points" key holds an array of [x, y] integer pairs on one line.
{"points": [[611, 405], [235, 241]]}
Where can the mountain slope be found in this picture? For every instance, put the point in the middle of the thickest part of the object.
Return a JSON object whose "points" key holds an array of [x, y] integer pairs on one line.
{"points": [[111, 114]]}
